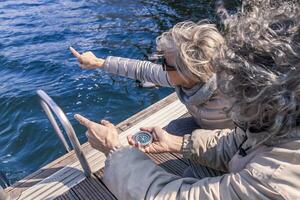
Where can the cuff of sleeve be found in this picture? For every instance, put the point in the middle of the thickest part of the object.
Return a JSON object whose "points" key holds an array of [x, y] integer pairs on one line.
{"points": [[187, 146], [115, 148], [106, 65]]}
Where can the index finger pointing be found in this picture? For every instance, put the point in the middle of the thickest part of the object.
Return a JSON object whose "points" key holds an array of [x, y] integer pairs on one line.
{"points": [[82, 120], [75, 53]]}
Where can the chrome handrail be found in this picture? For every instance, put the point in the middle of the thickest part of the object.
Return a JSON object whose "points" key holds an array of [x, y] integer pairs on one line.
{"points": [[51, 107]]}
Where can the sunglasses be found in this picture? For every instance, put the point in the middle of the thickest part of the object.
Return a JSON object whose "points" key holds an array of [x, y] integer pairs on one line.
{"points": [[160, 58]]}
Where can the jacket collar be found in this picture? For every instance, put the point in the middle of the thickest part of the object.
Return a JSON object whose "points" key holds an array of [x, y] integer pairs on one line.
{"points": [[199, 94]]}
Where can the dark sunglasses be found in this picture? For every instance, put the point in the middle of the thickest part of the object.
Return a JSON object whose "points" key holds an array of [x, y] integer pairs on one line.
{"points": [[160, 58]]}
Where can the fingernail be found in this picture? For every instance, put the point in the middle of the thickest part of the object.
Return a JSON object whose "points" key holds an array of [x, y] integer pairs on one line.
{"points": [[103, 121]]}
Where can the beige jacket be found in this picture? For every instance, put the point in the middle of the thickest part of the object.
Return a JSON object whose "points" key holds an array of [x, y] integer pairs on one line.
{"points": [[265, 172], [202, 101]]}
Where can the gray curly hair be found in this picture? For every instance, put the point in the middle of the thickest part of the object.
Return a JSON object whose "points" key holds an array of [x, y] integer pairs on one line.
{"points": [[193, 46], [260, 66]]}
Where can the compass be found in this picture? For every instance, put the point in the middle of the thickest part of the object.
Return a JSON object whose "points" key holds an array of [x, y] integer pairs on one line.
{"points": [[143, 138]]}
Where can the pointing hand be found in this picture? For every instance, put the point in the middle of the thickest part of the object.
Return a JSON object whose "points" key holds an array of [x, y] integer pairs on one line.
{"points": [[88, 60], [102, 136]]}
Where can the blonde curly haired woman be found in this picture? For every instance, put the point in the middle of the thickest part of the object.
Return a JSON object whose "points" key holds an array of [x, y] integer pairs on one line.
{"points": [[186, 52]]}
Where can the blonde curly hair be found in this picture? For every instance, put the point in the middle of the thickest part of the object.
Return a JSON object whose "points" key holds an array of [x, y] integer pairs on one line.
{"points": [[193, 45]]}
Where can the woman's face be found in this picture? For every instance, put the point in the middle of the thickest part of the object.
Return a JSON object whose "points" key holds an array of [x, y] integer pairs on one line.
{"points": [[174, 76]]}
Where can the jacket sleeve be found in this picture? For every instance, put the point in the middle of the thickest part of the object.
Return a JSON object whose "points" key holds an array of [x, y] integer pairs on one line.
{"points": [[143, 179], [136, 69], [212, 148]]}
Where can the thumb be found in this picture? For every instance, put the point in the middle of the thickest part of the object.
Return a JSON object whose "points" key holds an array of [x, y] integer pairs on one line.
{"points": [[106, 123], [83, 121], [148, 129]]}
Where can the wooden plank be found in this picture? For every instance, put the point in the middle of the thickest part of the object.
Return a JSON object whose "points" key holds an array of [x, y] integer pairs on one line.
{"points": [[68, 195], [64, 179], [147, 112], [179, 155], [170, 163], [166, 160], [71, 194], [92, 189]]}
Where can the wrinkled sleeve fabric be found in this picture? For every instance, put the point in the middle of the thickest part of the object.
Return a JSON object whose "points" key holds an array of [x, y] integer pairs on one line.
{"points": [[130, 175], [212, 148], [136, 69]]}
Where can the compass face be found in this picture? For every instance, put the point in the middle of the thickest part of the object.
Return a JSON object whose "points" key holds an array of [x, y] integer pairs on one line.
{"points": [[143, 138]]}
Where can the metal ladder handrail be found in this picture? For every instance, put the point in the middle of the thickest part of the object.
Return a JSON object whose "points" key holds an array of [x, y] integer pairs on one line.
{"points": [[51, 107]]}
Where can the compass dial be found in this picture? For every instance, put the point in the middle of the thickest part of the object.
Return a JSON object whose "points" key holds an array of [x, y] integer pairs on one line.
{"points": [[144, 138]]}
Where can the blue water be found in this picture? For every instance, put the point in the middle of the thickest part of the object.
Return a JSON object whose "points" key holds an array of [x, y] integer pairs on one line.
{"points": [[34, 40]]}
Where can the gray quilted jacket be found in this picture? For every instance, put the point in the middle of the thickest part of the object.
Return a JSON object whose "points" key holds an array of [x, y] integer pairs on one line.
{"points": [[202, 101]]}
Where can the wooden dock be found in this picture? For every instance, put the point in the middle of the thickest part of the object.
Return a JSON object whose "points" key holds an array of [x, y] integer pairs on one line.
{"points": [[64, 178]]}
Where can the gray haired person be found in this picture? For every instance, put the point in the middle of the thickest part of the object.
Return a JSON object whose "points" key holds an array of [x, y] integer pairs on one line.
{"points": [[259, 70], [186, 52]]}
